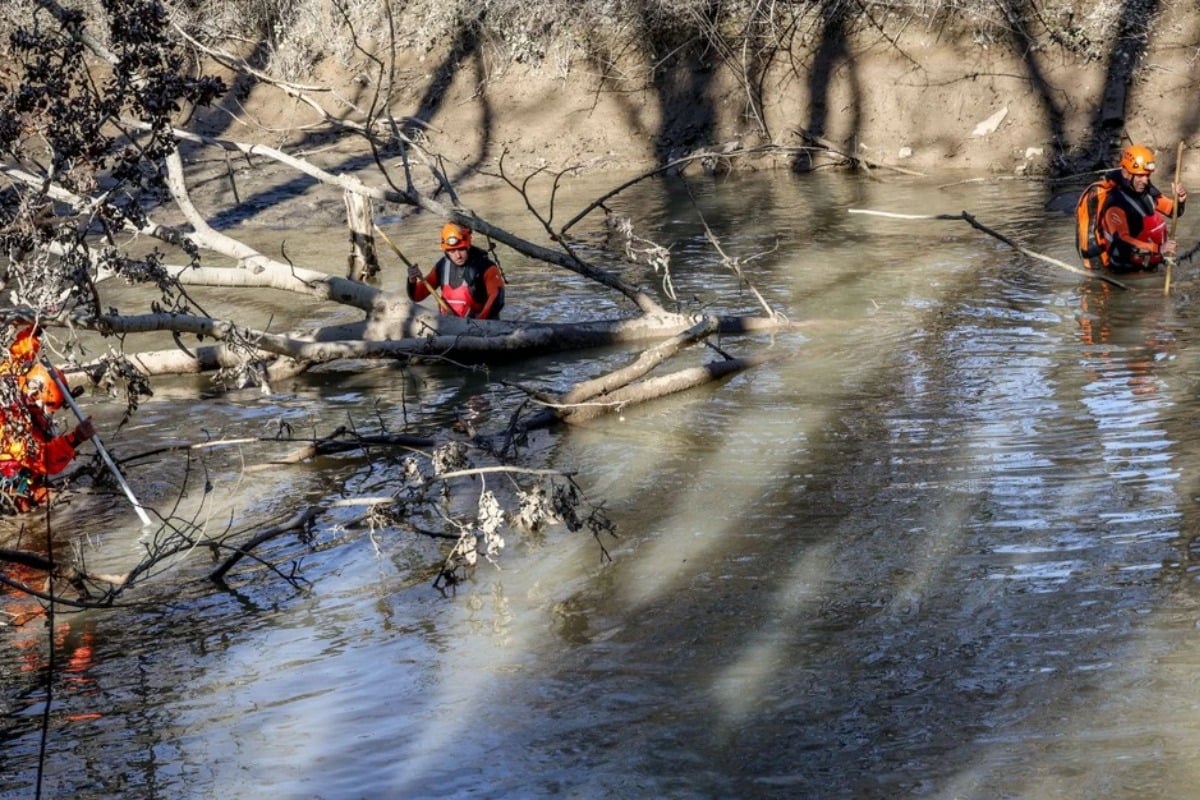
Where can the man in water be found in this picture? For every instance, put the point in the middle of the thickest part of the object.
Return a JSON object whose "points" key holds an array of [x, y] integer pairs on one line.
{"points": [[470, 284], [1134, 216]]}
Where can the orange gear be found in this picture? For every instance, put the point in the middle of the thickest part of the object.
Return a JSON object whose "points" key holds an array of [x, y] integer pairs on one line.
{"points": [[40, 386], [24, 349], [455, 237], [1138, 160]]}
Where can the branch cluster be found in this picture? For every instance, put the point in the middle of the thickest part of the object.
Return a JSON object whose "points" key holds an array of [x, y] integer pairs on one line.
{"points": [[435, 490]]}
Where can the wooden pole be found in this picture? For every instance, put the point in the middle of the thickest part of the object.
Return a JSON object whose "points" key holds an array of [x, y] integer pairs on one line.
{"points": [[1174, 215], [442, 304], [362, 261]]}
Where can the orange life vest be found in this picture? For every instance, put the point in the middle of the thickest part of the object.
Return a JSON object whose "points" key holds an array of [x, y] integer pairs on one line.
{"points": [[1090, 241]]}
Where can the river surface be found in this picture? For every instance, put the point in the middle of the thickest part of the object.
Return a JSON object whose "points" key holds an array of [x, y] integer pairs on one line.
{"points": [[938, 549]]}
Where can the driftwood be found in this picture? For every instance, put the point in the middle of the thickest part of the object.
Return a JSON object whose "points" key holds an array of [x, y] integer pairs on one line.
{"points": [[77, 578], [1170, 261], [621, 388], [857, 161], [976, 224], [299, 521], [615, 390], [335, 443]]}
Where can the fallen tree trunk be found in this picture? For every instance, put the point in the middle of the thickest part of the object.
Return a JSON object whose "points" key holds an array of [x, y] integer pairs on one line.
{"points": [[621, 388], [654, 388], [399, 329], [647, 361], [555, 411]]}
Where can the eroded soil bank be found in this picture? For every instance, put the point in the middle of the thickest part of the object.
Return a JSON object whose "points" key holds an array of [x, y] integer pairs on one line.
{"points": [[906, 95]]}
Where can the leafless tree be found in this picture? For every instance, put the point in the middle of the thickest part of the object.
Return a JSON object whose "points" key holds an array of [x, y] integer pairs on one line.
{"points": [[93, 113]]}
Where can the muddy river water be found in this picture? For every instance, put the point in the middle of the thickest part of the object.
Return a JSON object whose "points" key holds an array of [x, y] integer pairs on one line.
{"points": [[938, 549]]}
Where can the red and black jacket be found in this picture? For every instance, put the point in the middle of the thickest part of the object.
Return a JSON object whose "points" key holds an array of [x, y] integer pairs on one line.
{"points": [[476, 289], [1134, 225]]}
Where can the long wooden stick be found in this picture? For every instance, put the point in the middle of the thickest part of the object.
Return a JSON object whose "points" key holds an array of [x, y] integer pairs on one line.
{"points": [[442, 304], [112, 467], [1174, 214], [974, 223]]}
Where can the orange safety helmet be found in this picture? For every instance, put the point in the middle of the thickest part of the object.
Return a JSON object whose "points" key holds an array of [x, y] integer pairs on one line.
{"points": [[25, 347], [39, 386], [1138, 160], [455, 237]]}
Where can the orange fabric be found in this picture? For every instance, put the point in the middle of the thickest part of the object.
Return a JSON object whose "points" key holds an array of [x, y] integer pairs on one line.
{"points": [[460, 300], [1130, 228], [30, 449], [26, 471], [1151, 231], [1089, 236], [28, 442], [24, 349]]}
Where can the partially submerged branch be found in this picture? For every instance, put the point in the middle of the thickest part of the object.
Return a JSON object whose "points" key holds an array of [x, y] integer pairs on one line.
{"points": [[623, 387], [979, 226], [300, 521]]}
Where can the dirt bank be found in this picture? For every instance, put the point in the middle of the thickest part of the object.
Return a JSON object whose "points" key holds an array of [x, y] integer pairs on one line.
{"points": [[914, 98]]}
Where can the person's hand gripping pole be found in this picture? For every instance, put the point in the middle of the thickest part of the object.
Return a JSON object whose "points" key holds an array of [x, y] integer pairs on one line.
{"points": [[442, 304]]}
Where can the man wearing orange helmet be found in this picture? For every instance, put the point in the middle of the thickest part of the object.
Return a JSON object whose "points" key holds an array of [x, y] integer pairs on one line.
{"points": [[31, 450], [470, 284], [1134, 218]]}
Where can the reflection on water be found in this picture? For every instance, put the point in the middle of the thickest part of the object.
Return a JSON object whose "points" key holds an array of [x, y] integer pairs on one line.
{"points": [[940, 549]]}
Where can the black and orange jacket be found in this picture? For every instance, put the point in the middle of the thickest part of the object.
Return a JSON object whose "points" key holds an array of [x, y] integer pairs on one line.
{"points": [[1131, 225]]}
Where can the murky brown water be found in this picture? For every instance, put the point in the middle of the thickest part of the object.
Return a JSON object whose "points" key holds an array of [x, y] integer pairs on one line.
{"points": [[936, 551]]}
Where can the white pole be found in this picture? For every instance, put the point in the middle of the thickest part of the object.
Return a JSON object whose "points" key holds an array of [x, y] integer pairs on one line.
{"points": [[66, 391]]}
